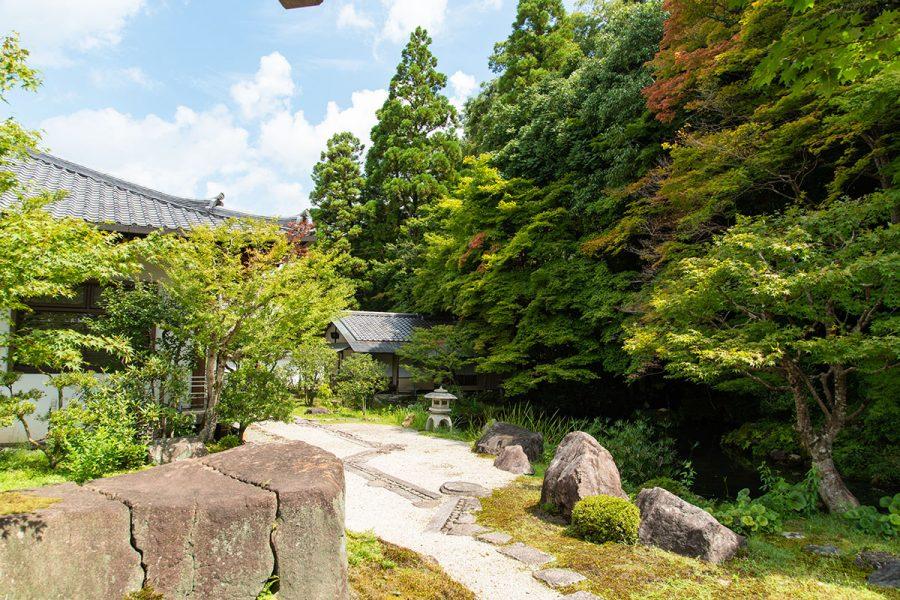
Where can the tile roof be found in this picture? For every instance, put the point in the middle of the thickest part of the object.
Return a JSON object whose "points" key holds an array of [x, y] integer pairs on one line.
{"points": [[110, 202], [368, 331]]}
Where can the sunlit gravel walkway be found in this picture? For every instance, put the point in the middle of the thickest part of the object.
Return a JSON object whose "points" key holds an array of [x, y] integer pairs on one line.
{"points": [[408, 517]]}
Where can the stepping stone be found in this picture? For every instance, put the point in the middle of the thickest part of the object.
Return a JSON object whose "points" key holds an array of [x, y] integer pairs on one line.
{"points": [[792, 535], [464, 488], [497, 538], [467, 529], [526, 554], [887, 576], [558, 578], [822, 550], [465, 519], [582, 596]]}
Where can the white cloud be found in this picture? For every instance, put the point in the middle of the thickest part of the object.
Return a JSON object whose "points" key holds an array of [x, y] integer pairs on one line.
{"points": [[116, 78], [262, 163], [463, 85], [54, 29], [269, 91], [296, 143], [349, 18], [405, 15]]}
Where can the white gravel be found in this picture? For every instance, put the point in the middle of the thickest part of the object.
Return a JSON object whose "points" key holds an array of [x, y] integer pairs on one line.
{"points": [[426, 462]]}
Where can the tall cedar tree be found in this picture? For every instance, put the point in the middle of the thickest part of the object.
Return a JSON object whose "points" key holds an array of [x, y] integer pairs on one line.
{"points": [[540, 45], [337, 195], [412, 163]]}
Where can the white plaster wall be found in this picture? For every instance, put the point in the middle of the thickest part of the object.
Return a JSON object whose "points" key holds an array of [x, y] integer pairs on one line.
{"points": [[14, 433]]}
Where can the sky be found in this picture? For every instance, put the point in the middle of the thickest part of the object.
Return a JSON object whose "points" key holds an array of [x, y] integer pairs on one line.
{"points": [[198, 97]]}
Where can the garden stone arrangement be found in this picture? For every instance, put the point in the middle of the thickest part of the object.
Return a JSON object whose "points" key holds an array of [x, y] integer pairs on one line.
{"points": [[214, 527], [580, 468]]}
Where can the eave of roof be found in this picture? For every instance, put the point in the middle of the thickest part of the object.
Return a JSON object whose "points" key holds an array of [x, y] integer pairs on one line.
{"points": [[115, 204]]}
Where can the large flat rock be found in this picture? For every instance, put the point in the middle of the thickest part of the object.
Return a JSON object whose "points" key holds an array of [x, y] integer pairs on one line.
{"points": [[78, 547], [308, 539], [201, 534]]}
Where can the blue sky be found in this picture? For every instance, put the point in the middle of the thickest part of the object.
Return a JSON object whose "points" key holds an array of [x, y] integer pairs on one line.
{"points": [[197, 97]]}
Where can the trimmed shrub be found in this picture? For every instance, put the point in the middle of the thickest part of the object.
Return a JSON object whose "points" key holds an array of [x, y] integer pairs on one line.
{"points": [[600, 519]]}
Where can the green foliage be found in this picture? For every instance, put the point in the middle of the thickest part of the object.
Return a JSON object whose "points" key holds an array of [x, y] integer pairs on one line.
{"points": [[22, 469], [226, 442], [642, 451], [311, 367], [748, 516], [254, 393], [785, 498], [436, 354], [761, 438], [15, 404], [245, 293], [411, 165], [601, 519], [97, 434], [337, 194], [872, 522], [357, 380]]}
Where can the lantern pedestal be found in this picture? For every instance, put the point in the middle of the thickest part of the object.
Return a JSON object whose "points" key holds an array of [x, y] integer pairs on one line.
{"points": [[439, 411]]}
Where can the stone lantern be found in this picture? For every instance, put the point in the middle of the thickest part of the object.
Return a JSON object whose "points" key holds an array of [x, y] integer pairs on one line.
{"points": [[439, 411]]}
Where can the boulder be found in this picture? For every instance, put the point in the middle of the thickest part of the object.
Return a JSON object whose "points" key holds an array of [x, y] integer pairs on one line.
{"points": [[500, 435], [200, 533], [873, 559], [670, 523], [886, 576], [174, 449], [317, 410], [78, 547], [308, 539], [514, 460], [581, 467]]}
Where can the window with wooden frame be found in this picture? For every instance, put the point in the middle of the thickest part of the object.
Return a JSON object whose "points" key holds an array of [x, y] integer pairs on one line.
{"points": [[66, 313]]}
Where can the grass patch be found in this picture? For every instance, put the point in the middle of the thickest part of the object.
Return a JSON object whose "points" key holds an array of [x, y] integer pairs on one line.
{"points": [[12, 503], [380, 571], [770, 567], [22, 469]]}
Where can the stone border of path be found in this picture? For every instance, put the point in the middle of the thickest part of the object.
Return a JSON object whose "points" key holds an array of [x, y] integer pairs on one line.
{"points": [[455, 516]]}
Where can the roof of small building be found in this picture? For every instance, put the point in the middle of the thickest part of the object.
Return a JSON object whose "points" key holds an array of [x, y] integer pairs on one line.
{"points": [[110, 202], [375, 332]]}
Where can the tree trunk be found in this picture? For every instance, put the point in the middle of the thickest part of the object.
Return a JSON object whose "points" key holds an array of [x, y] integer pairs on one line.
{"points": [[832, 489], [211, 375], [818, 444]]}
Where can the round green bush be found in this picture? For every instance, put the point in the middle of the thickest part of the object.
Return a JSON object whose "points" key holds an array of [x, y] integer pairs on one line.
{"points": [[602, 519]]}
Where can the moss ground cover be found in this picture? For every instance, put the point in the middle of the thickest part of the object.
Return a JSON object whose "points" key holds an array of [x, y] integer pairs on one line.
{"points": [[14, 502], [380, 570], [769, 567], [22, 469]]}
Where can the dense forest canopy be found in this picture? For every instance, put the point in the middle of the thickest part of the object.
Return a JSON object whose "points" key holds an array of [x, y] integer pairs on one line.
{"points": [[613, 145]]}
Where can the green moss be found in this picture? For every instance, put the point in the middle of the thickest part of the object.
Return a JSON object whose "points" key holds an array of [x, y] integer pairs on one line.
{"points": [[601, 519], [13, 503], [380, 571], [770, 567], [23, 469]]}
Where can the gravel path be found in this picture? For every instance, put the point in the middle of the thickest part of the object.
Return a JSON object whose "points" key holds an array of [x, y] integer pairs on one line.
{"points": [[409, 518]]}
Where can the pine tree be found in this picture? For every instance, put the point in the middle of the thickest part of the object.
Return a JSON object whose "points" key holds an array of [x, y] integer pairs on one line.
{"points": [[337, 196]]}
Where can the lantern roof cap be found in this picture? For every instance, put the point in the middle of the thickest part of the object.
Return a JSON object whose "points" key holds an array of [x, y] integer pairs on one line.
{"points": [[440, 394]]}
